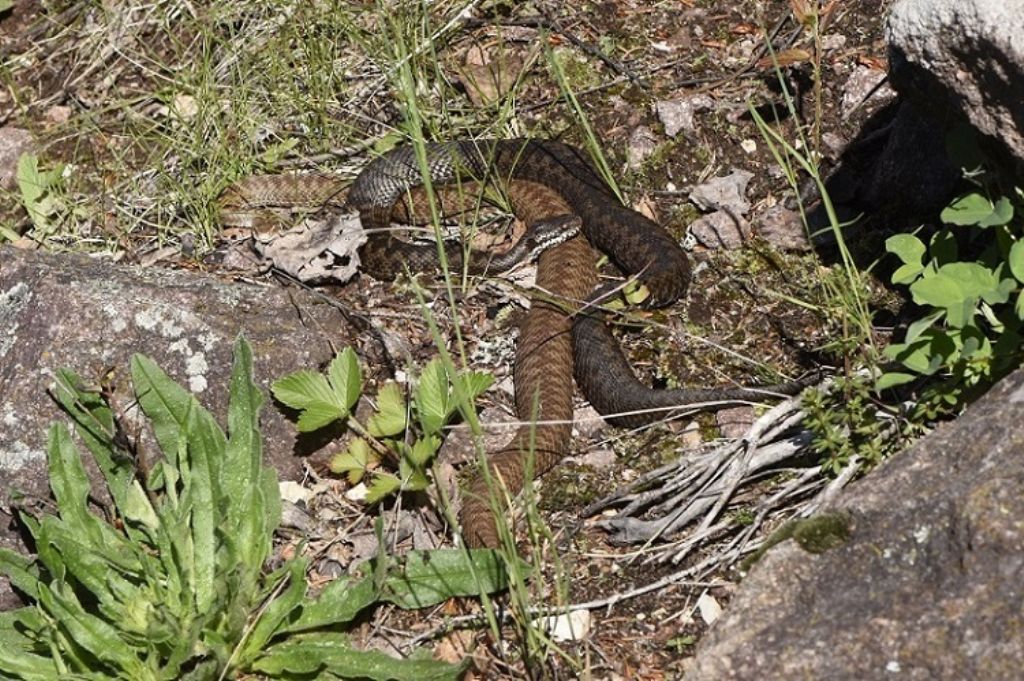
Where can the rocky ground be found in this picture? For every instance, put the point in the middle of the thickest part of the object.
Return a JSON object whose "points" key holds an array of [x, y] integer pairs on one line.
{"points": [[669, 90]]}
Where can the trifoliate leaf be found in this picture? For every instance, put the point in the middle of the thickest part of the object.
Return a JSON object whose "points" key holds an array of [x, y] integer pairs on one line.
{"points": [[476, 382], [354, 461], [316, 415]]}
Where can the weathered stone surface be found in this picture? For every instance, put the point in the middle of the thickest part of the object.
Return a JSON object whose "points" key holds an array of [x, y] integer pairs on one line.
{"points": [[930, 584], [966, 56], [678, 115], [13, 143], [721, 230], [90, 315]]}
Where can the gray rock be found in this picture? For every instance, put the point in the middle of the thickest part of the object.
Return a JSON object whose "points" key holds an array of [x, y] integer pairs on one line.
{"points": [[929, 585], [721, 230], [90, 316], [965, 56], [13, 143], [642, 143], [734, 422], [677, 115], [784, 228], [724, 193], [860, 87]]}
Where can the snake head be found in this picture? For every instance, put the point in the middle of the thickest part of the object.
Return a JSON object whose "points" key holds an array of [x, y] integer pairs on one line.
{"points": [[549, 232]]}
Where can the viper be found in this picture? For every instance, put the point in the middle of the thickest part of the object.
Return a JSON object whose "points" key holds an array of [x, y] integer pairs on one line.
{"points": [[554, 188]]}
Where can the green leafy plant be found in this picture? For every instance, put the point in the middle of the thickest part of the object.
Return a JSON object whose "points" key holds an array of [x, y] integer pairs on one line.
{"points": [[846, 421], [969, 280], [171, 583], [40, 194], [407, 431]]}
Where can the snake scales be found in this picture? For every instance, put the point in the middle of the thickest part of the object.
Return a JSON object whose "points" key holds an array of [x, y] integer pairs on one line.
{"points": [[543, 180]]}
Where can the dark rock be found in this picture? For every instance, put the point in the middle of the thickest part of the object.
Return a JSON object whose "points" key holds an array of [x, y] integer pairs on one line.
{"points": [[90, 316], [913, 175], [929, 584]]}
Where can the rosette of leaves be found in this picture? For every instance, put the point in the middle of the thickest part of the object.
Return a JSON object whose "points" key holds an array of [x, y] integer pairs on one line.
{"points": [[406, 429], [171, 582]]}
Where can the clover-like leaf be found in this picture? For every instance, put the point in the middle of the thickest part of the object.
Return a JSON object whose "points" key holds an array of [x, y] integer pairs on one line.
{"points": [[354, 461], [302, 389], [475, 383], [322, 399], [423, 450]]}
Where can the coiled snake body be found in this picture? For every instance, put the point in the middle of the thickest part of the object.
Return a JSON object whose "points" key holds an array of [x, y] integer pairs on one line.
{"points": [[544, 180]]}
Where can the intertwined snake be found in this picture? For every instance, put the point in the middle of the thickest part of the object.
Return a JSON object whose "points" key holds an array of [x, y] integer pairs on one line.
{"points": [[564, 335]]}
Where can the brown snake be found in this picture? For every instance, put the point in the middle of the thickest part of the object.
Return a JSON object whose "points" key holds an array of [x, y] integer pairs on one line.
{"points": [[543, 180]]}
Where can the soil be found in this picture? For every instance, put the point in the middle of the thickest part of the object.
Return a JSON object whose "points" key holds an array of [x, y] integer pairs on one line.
{"points": [[626, 60]]}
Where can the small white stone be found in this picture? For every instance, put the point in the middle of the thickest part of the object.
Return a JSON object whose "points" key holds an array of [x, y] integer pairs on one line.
{"points": [[709, 608], [293, 491], [572, 626], [357, 493], [749, 146]]}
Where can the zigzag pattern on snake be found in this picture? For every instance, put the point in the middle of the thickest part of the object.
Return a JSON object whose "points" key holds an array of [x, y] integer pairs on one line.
{"points": [[543, 180]]}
